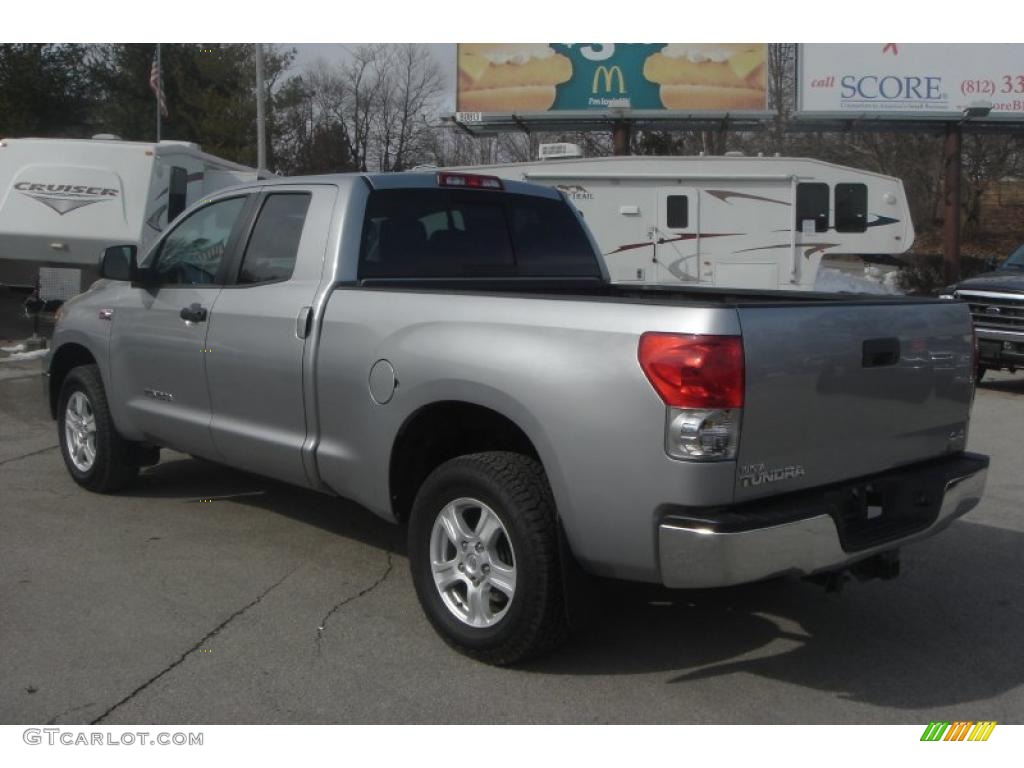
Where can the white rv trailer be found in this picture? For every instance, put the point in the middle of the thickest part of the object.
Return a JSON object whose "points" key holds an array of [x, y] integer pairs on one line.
{"points": [[62, 201], [742, 222]]}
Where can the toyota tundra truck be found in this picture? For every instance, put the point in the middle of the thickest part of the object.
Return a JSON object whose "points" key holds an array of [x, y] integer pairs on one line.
{"points": [[446, 350]]}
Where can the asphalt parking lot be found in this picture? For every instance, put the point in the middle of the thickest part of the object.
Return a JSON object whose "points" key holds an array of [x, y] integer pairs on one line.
{"points": [[205, 595]]}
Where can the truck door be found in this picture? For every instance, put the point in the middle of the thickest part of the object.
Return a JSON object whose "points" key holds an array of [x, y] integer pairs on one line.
{"points": [[677, 235], [258, 358], [158, 340]]}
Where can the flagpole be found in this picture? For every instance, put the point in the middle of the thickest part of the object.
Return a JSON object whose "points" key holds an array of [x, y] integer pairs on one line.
{"points": [[261, 113], [160, 69]]}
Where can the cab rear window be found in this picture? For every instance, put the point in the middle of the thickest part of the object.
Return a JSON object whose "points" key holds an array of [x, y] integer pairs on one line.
{"points": [[411, 233]]}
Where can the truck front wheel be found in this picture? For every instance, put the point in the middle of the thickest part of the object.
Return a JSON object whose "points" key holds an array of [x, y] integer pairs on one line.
{"points": [[97, 457], [483, 549]]}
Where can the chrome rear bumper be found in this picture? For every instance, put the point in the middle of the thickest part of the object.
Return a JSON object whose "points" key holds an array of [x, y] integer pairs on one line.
{"points": [[695, 556]]}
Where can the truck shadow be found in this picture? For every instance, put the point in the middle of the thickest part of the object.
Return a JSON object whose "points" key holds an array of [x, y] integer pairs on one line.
{"points": [[197, 480], [946, 632]]}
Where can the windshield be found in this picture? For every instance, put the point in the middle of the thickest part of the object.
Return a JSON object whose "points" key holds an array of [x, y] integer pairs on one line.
{"points": [[1016, 259]]}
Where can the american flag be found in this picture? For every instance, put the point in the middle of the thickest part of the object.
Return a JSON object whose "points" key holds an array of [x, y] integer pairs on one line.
{"points": [[156, 84]]}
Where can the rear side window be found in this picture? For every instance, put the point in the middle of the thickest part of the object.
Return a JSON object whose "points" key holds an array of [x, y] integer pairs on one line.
{"points": [[678, 213], [453, 233], [274, 244], [851, 207], [812, 204]]}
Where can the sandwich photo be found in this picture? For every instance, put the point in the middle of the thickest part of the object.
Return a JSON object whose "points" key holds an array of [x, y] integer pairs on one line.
{"points": [[509, 77], [709, 76]]}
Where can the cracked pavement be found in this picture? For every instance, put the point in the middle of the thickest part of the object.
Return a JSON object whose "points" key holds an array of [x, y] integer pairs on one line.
{"points": [[268, 603]]}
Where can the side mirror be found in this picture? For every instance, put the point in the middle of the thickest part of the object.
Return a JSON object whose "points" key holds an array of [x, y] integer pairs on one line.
{"points": [[991, 263], [118, 262]]}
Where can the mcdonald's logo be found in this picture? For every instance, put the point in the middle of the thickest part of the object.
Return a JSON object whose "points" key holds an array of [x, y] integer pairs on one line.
{"points": [[961, 730], [611, 73]]}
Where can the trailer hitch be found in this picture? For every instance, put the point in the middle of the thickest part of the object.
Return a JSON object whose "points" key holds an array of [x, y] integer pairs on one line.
{"points": [[884, 565]]}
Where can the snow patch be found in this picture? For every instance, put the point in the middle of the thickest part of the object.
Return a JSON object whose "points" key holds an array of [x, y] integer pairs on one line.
{"points": [[15, 348], [24, 355], [874, 281]]}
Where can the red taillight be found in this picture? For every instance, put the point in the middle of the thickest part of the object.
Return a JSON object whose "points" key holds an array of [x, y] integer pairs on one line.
{"points": [[469, 181], [694, 371]]}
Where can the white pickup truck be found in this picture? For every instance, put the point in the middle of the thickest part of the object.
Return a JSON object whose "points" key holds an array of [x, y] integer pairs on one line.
{"points": [[446, 350]]}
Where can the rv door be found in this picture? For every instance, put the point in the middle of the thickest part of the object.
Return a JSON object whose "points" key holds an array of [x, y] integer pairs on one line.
{"points": [[677, 235]]}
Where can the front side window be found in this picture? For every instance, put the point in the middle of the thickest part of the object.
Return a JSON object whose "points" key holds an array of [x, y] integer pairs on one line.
{"points": [[812, 206], [274, 244], [192, 252], [851, 207]]}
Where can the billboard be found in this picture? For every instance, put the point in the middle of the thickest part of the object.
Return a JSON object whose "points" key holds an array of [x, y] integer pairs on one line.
{"points": [[542, 78], [923, 80]]}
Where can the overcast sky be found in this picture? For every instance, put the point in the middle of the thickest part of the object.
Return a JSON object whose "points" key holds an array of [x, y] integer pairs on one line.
{"points": [[444, 53]]}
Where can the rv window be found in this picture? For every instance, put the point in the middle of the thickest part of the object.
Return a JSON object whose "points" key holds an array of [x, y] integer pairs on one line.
{"points": [[177, 193], [192, 252], [678, 212], [851, 207], [812, 204], [274, 243]]}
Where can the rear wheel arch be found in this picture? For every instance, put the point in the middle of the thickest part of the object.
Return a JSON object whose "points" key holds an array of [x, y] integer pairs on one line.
{"points": [[441, 431]]}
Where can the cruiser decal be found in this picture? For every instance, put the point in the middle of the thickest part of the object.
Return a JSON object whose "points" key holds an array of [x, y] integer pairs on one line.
{"points": [[64, 198]]}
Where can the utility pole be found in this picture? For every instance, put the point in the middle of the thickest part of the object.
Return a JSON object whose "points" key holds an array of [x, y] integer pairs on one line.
{"points": [[261, 117], [160, 86], [951, 203], [620, 137], [952, 163]]}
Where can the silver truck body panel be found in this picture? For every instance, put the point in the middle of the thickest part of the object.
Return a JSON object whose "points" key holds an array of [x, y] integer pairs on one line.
{"points": [[811, 402], [564, 371]]}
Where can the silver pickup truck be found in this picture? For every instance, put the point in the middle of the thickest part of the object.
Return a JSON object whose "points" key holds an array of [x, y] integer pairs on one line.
{"points": [[446, 350]]}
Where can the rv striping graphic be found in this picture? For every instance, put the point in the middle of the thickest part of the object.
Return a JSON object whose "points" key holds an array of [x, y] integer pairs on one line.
{"points": [[960, 730], [809, 248], [64, 198], [663, 240], [695, 235], [724, 195]]}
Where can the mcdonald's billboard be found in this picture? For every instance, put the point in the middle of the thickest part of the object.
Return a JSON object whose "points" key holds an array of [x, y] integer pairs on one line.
{"points": [[530, 78]]}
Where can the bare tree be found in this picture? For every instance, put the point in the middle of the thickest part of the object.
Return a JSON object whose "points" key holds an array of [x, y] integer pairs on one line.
{"points": [[409, 83]]}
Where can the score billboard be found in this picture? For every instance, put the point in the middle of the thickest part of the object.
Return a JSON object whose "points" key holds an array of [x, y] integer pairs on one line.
{"points": [[919, 80], [543, 78]]}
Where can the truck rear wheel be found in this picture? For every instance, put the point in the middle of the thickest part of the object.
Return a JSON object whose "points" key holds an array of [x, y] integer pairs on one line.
{"points": [[483, 548], [97, 457]]}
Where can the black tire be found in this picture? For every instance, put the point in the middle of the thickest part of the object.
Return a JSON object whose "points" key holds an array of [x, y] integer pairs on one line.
{"points": [[114, 465], [979, 373], [516, 490]]}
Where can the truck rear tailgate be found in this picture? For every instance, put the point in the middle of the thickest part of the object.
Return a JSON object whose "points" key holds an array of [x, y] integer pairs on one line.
{"points": [[842, 390]]}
